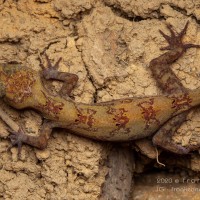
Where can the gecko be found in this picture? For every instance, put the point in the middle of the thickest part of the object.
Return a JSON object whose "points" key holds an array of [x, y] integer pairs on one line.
{"points": [[118, 120]]}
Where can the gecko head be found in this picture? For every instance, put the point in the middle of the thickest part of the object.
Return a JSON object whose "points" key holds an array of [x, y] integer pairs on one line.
{"points": [[15, 83]]}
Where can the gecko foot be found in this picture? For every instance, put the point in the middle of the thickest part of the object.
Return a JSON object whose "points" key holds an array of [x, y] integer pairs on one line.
{"points": [[17, 139], [50, 71], [175, 39]]}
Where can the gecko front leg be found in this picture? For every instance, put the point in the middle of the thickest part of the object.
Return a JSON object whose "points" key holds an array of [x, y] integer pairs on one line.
{"points": [[170, 84], [51, 72]]}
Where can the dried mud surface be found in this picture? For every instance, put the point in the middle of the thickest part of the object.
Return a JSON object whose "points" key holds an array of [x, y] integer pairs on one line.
{"points": [[109, 45]]}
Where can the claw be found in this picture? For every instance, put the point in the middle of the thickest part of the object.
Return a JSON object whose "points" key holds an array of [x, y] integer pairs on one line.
{"points": [[183, 32], [166, 48], [187, 46], [165, 36], [175, 39], [169, 26], [57, 63], [49, 64]]}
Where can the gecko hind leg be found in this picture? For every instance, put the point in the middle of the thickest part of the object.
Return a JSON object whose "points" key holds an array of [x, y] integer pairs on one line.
{"points": [[50, 72], [18, 138], [160, 66], [163, 137], [170, 84]]}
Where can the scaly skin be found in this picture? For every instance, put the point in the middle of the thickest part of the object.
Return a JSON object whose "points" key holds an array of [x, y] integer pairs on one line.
{"points": [[118, 120], [169, 83]]}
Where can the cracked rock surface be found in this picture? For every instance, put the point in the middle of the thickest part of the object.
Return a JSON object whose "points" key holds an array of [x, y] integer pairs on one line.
{"points": [[109, 45]]}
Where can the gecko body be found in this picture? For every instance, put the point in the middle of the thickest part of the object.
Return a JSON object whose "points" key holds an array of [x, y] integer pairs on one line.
{"points": [[117, 120]]}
